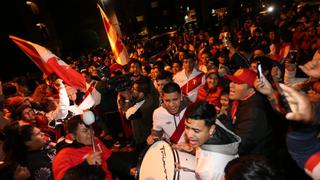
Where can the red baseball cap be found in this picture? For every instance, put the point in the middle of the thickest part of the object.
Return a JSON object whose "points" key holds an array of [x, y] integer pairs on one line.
{"points": [[243, 76], [116, 67]]}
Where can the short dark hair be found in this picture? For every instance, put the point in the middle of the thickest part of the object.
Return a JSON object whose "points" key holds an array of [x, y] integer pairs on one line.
{"points": [[71, 125], [176, 61], [9, 89], [143, 85], [249, 167], [135, 61], [160, 65], [164, 75], [171, 87], [202, 110], [16, 137], [189, 56]]}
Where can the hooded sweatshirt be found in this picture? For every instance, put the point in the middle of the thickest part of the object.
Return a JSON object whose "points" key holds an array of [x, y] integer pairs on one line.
{"points": [[214, 155]]}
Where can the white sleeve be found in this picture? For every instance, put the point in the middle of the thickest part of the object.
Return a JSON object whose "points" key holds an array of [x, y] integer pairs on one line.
{"points": [[64, 102], [96, 96], [156, 123], [290, 79]]}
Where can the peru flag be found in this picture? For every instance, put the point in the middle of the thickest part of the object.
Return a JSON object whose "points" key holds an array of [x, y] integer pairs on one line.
{"points": [[118, 48], [50, 63]]}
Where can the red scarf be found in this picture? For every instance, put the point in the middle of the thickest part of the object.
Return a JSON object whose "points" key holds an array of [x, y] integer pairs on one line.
{"points": [[235, 105]]}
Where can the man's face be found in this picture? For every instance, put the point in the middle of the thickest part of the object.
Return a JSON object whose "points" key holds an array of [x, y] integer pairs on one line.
{"points": [[156, 72], [172, 101], [253, 66], [83, 135], [204, 58], [135, 69], [238, 91], [136, 93], [176, 68], [160, 84], [258, 52], [211, 40], [224, 100], [197, 132], [28, 114], [212, 80], [188, 65], [221, 60], [37, 140], [181, 54], [211, 66], [72, 93]]}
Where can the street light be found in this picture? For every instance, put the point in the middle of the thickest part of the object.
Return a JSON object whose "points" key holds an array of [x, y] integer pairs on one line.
{"points": [[33, 6], [270, 9]]}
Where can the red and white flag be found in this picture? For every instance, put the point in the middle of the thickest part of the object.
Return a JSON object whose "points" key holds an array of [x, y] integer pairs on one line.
{"points": [[49, 63], [117, 46]]}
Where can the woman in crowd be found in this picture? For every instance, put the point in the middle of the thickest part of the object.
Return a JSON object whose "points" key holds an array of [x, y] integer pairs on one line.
{"points": [[80, 150], [27, 145], [211, 90]]}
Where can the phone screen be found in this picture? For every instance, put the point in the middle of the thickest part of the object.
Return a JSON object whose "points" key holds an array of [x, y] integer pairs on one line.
{"points": [[259, 71]]}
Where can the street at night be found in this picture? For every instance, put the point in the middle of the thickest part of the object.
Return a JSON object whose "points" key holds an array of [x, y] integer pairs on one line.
{"points": [[160, 89]]}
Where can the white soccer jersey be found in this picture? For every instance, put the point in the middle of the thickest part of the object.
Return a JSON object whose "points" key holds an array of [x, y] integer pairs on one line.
{"points": [[166, 122], [190, 85]]}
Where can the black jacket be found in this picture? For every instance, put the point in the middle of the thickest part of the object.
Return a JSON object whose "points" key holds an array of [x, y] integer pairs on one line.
{"points": [[254, 124]]}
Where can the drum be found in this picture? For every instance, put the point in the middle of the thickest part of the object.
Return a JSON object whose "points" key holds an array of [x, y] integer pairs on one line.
{"points": [[162, 162]]}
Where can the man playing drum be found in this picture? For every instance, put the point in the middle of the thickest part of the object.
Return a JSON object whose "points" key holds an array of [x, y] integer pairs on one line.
{"points": [[168, 119]]}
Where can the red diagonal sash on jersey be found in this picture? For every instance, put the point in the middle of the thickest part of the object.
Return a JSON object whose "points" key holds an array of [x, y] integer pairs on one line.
{"points": [[192, 84], [90, 89], [88, 100], [179, 131]]}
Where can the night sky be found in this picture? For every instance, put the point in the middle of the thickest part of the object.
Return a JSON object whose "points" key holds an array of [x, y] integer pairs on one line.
{"points": [[77, 24]]}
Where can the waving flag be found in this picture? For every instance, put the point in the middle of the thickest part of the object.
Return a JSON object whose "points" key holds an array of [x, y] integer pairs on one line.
{"points": [[50, 63], [118, 48]]}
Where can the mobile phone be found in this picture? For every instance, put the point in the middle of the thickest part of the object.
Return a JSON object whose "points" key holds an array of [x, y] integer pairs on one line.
{"points": [[259, 72], [283, 99], [293, 56]]}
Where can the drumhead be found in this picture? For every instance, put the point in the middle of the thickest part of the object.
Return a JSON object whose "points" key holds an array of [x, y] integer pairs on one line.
{"points": [[158, 162]]}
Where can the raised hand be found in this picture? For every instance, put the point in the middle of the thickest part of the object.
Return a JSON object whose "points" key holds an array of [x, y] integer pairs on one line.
{"points": [[263, 87], [302, 109], [312, 68], [94, 158]]}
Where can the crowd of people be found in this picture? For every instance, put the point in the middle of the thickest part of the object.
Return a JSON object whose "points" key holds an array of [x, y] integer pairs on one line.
{"points": [[244, 101]]}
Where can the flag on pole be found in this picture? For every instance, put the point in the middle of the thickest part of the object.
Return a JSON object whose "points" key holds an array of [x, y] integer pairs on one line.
{"points": [[117, 46], [49, 63]]}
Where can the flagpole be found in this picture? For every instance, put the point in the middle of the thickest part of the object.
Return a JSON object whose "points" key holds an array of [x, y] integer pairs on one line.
{"points": [[101, 2]]}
